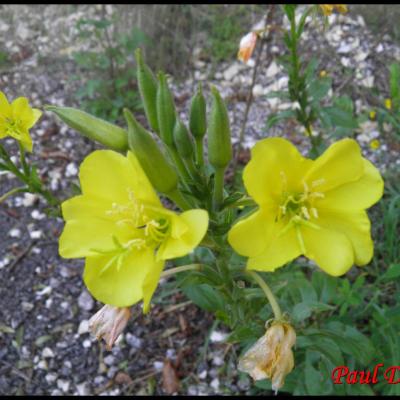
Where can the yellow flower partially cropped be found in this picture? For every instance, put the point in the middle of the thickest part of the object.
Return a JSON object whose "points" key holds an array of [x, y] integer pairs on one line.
{"points": [[120, 226], [327, 9], [314, 208], [16, 119], [271, 357]]}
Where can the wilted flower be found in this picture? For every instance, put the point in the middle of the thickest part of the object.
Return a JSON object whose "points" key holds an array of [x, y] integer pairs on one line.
{"points": [[120, 225], [271, 357], [16, 119], [108, 323], [327, 9], [246, 46], [308, 207]]}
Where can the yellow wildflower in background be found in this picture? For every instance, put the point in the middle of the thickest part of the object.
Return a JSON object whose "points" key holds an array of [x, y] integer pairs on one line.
{"points": [[246, 46], [388, 104], [16, 119], [328, 9], [307, 207], [120, 226], [271, 357], [375, 144], [372, 115], [323, 74]]}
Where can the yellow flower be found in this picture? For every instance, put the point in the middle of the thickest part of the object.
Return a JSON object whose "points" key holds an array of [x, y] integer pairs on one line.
{"points": [[307, 207], [16, 119], [323, 74], [328, 9], [246, 46], [375, 144], [120, 226], [271, 357], [388, 104], [372, 114]]}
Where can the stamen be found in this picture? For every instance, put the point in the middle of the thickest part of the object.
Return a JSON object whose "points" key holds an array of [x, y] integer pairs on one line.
{"points": [[314, 212], [305, 212], [318, 182], [300, 239]]}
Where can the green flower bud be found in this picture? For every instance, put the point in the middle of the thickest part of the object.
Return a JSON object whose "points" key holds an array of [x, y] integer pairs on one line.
{"points": [[166, 114], [94, 128], [182, 140], [160, 173], [219, 133], [148, 90], [198, 122]]}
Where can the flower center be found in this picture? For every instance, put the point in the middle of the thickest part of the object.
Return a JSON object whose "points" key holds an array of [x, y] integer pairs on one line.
{"points": [[149, 226], [298, 208], [13, 128]]}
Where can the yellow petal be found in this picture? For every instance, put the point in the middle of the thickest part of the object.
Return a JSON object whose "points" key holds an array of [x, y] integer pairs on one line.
{"points": [[150, 283], [178, 245], [283, 247], [356, 226], [275, 165], [118, 286], [251, 235], [331, 250], [5, 107], [110, 175], [26, 141], [341, 163], [23, 112], [357, 195]]}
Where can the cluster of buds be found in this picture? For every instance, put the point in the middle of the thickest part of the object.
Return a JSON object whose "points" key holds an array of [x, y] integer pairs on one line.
{"points": [[271, 357]]}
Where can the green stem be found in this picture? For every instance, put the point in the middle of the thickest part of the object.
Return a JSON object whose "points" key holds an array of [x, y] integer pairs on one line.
{"points": [[199, 152], [11, 192], [179, 200], [268, 293], [24, 164], [218, 194], [176, 270]]}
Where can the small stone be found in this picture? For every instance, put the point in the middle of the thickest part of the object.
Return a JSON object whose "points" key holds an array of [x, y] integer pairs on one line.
{"points": [[258, 90], [63, 385], [29, 199], [203, 374], [27, 306], [158, 365], [231, 72], [47, 353], [368, 82], [85, 301], [71, 170], [87, 343], [215, 384], [83, 327], [272, 70], [42, 364], [83, 389], [36, 214], [218, 361], [14, 233], [50, 378], [217, 336], [35, 234], [109, 360], [133, 341], [45, 291]]}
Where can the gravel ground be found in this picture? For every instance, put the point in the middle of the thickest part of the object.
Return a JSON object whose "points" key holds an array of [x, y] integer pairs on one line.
{"points": [[45, 347]]}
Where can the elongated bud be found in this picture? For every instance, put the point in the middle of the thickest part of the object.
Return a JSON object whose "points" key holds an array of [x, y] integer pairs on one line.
{"points": [[198, 120], [148, 90], [166, 114], [219, 133], [108, 323], [94, 128], [159, 171], [271, 357], [183, 142]]}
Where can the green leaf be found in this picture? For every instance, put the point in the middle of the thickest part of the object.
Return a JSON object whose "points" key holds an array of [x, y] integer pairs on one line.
{"points": [[274, 119], [392, 272], [205, 296], [319, 88]]}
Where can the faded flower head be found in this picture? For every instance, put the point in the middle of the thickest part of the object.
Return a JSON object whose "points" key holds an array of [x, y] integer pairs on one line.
{"points": [[108, 323], [328, 9], [246, 46], [271, 357], [16, 119]]}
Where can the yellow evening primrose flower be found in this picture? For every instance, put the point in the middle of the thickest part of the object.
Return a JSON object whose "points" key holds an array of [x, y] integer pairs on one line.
{"points": [[16, 119], [375, 144], [327, 9], [314, 208], [372, 115], [120, 226], [388, 104]]}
